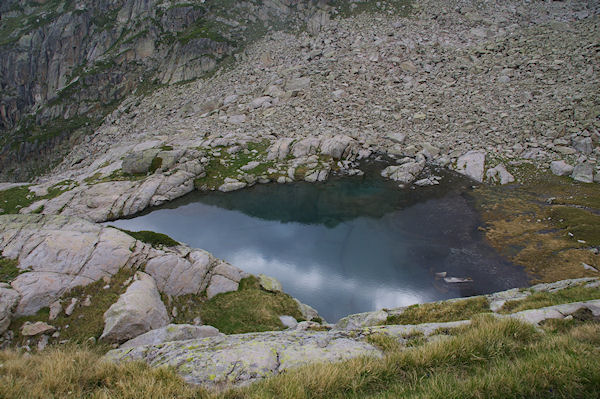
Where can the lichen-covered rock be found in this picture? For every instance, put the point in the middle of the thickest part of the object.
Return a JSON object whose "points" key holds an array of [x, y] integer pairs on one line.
{"points": [[499, 174], [137, 311], [170, 333], [269, 283], [241, 359]]}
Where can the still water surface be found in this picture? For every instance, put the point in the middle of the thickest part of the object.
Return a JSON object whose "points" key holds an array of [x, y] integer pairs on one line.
{"points": [[350, 245]]}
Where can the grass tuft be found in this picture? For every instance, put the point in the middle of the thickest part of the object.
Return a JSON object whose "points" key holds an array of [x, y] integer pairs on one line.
{"points": [[542, 299], [441, 311], [8, 269], [157, 240]]}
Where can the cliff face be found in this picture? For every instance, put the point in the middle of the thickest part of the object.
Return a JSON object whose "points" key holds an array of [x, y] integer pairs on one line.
{"points": [[64, 64]]}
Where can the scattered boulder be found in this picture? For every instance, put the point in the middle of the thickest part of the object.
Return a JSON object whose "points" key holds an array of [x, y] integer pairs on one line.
{"points": [[338, 147], [297, 84], [583, 172], [499, 174], [583, 144], [232, 185], [55, 310], [307, 311], [280, 149], [137, 311], [170, 333], [561, 168], [39, 327], [471, 165], [405, 173]]}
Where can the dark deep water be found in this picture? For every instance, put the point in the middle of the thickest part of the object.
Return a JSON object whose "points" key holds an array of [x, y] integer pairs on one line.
{"points": [[350, 245]]}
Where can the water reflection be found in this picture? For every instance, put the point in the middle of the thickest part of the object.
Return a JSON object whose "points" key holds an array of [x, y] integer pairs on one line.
{"points": [[351, 245]]}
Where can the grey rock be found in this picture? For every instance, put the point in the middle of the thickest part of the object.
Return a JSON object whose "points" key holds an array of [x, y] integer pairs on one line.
{"points": [[471, 165], [139, 162], [245, 358], [288, 321], [232, 185], [250, 165], [71, 307], [269, 283], [170, 333], [339, 147], [583, 172], [397, 137], [279, 149], [297, 84], [561, 168], [583, 144], [39, 327], [308, 312], [55, 310], [499, 174], [137, 311], [405, 173]]}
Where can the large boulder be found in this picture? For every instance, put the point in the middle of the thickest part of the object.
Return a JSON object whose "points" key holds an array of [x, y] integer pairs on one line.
{"points": [[472, 165], [170, 333], [338, 147], [139, 162], [561, 168], [137, 311], [583, 172], [499, 174], [241, 359]]}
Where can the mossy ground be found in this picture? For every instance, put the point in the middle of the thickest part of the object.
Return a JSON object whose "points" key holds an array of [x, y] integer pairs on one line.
{"points": [[227, 165], [248, 309], [489, 359], [157, 240], [16, 198], [8, 269], [85, 321], [548, 224]]}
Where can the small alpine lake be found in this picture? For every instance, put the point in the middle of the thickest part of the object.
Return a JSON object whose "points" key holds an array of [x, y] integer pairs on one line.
{"points": [[352, 244]]}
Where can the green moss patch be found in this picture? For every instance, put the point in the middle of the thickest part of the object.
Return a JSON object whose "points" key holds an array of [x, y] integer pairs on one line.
{"points": [[542, 299], [228, 165], [583, 224], [8, 269], [249, 309], [16, 198], [441, 311], [157, 240]]}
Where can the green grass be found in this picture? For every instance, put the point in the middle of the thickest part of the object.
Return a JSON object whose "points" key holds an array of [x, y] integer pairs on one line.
{"points": [[583, 224], [441, 311], [491, 358], [249, 309], [85, 321], [12, 200], [8, 269], [157, 240], [542, 299]]}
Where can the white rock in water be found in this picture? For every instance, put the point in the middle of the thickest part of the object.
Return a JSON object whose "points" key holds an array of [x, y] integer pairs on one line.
{"points": [[452, 280], [561, 168], [137, 311], [472, 164]]}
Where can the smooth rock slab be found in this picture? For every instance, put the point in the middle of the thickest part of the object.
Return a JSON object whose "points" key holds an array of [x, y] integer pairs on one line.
{"points": [[170, 333], [245, 358]]}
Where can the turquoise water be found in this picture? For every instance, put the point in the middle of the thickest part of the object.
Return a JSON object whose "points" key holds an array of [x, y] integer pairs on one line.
{"points": [[350, 245]]}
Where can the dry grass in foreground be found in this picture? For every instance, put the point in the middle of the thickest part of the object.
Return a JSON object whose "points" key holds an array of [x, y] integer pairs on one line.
{"points": [[489, 359]]}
